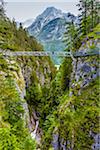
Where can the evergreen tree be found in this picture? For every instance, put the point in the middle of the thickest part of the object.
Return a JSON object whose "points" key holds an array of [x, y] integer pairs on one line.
{"points": [[89, 15], [94, 12], [83, 8], [70, 36], [2, 12]]}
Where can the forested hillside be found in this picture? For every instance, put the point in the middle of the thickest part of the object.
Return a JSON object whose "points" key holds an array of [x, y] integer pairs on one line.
{"points": [[42, 108], [17, 76]]}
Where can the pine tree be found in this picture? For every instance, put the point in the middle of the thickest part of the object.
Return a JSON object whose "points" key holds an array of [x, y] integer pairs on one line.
{"points": [[2, 11], [70, 36], [89, 15], [83, 8], [94, 12], [97, 12]]}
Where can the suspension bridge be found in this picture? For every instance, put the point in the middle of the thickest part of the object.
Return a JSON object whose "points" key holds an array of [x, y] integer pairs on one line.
{"points": [[90, 52]]}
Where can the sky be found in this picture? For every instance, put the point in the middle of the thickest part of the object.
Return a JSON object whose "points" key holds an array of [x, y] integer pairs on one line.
{"points": [[22, 10]]}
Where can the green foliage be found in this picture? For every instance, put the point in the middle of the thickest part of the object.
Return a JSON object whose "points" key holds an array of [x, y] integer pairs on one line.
{"points": [[29, 144], [13, 133], [66, 73], [75, 118], [95, 33], [70, 36], [89, 16], [11, 141], [87, 119], [34, 95], [8, 140], [16, 39]]}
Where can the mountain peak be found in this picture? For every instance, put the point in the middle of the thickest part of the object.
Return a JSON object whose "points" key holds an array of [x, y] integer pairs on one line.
{"points": [[50, 11], [49, 28], [52, 17], [51, 8]]}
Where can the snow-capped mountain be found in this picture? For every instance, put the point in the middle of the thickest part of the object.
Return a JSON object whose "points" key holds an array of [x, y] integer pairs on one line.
{"points": [[49, 28], [50, 21]]}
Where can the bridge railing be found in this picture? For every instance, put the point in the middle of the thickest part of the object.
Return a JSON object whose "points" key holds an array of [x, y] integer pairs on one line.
{"points": [[48, 53]]}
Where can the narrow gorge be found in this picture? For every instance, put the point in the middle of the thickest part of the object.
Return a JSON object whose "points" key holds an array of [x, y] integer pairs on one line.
{"points": [[43, 107]]}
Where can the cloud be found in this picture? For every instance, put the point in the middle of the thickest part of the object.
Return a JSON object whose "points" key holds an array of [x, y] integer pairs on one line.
{"points": [[22, 11], [47, 1]]}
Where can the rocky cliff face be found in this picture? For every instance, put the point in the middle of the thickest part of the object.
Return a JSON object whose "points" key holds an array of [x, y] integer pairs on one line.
{"points": [[83, 87], [29, 91], [85, 69], [21, 77], [24, 71], [41, 72]]}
